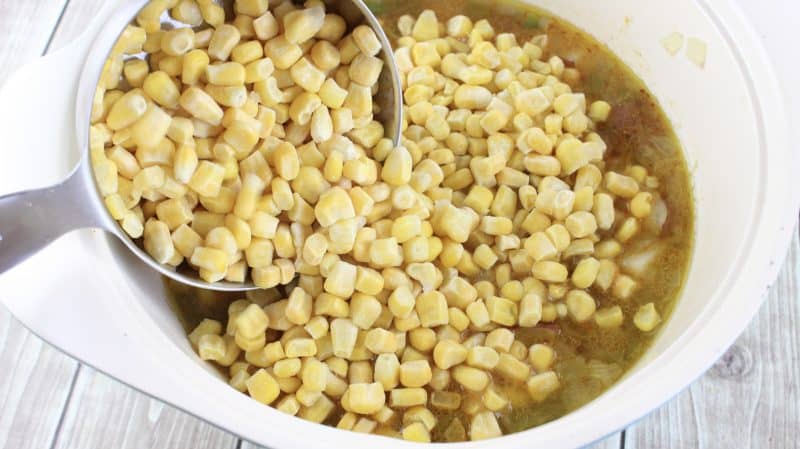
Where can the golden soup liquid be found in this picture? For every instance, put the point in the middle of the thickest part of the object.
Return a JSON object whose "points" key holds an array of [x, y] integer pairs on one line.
{"points": [[588, 359]]}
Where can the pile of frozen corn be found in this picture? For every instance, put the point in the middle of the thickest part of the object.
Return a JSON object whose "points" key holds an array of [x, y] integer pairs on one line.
{"points": [[250, 148]]}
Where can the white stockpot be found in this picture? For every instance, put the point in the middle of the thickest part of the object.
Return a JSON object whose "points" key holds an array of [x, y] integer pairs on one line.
{"points": [[87, 295]]}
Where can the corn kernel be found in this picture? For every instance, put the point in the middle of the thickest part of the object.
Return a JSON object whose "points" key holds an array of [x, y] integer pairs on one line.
{"points": [[263, 387]]}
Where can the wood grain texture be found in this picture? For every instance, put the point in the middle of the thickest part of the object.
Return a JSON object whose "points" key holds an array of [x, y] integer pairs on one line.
{"points": [[103, 413], [35, 379], [25, 30], [749, 398], [612, 442]]}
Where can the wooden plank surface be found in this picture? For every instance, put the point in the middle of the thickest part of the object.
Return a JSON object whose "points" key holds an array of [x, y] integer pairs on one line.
{"points": [[749, 398], [34, 378], [612, 442], [25, 30], [103, 413]]}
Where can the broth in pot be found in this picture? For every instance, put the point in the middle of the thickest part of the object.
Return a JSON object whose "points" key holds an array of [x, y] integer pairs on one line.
{"points": [[583, 306]]}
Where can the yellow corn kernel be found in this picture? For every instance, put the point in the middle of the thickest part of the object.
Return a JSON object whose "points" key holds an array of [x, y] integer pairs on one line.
{"points": [[422, 339], [365, 69], [380, 341], [151, 128], [366, 398], [581, 224], [585, 272], [301, 25], [211, 346], [416, 373], [207, 179], [263, 225], [319, 411], [599, 111], [580, 305], [484, 257], [135, 71], [333, 205], [330, 305], [131, 40], [502, 311], [401, 302], [325, 56], [366, 40], [364, 310], [333, 96], [627, 230], [512, 368], [300, 347], [341, 279], [623, 286], [307, 75], [206, 327], [387, 371], [385, 253], [407, 397], [125, 162], [493, 400], [201, 105], [500, 339], [641, 205], [244, 24], [343, 337], [298, 308], [247, 198], [211, 259], [177, 42], [289, 405], [542, 385], [223, 41], [286, 161], [188, 12], [603, 210], [127, 110], [158, 241], [263, 387], [186, 240], [647, 317], [432, 309], [416, 432], [359, 100], [609, 317], [314, 375], [496, 225], [448, 353], [406, 227], [472, 379], [270, 95], [230, 74], [621, 185], [314, 249], [194, 65]]}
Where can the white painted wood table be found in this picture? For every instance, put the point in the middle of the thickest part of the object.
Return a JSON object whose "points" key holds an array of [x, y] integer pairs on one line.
{"points": [[749, 398]]}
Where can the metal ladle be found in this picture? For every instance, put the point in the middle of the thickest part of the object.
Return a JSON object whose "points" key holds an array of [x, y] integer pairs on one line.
{"points": [[31, 220]]}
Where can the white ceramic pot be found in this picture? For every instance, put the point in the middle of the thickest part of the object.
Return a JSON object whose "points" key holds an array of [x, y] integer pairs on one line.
{"points": [[91, 298]]}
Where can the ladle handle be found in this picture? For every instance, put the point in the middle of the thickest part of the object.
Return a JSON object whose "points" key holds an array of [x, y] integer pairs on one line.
{"points": [[31, 220]]}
